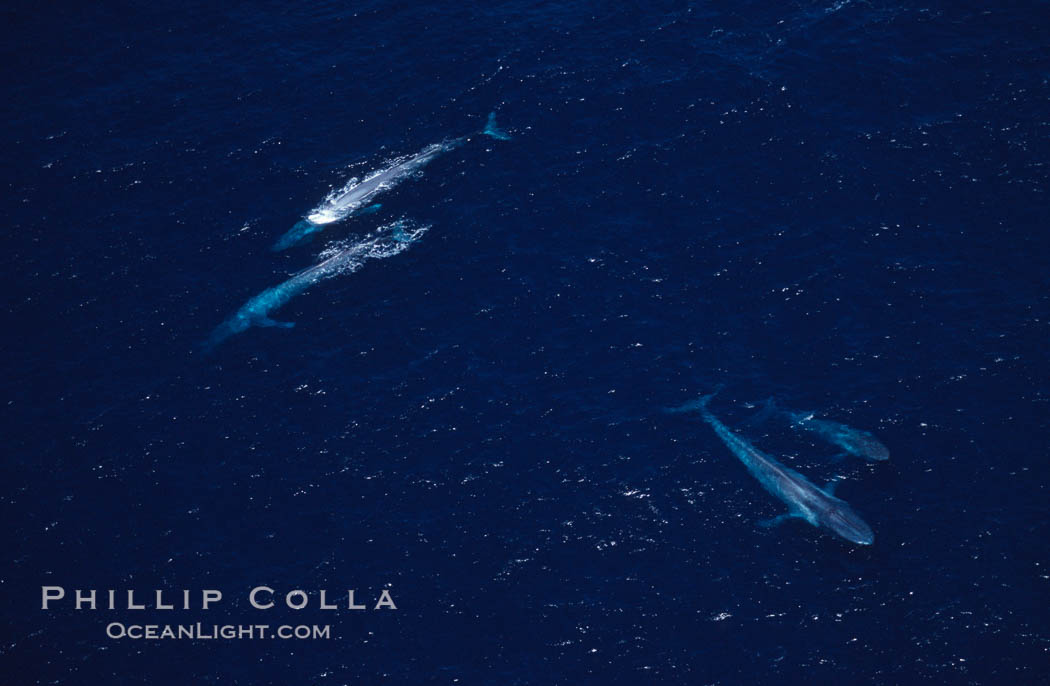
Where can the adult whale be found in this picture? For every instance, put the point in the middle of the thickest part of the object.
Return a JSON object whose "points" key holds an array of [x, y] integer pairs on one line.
{"points": [[804, 500], [354, 198], [385, 242]]}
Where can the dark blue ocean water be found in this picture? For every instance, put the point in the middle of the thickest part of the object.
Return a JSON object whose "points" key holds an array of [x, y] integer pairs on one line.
{"points": [[841, 205]]}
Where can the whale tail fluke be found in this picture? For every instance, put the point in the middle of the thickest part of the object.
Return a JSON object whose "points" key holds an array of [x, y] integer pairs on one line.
{"points": [[698, 405], [768, 410], [494, 131]]}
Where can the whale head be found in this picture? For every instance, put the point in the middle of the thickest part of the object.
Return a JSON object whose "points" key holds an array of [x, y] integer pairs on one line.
{"points": [[841, 519], [862, 444], [873, 449], [325, 215]]}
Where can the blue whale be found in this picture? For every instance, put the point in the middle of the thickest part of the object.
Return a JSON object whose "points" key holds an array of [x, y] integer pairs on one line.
{"points": [[804, 500], [352, 200], [858, 442], [386, 242]]}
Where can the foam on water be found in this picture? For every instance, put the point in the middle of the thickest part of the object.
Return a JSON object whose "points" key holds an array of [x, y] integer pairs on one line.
{"points": [[328, 210], [349, 255]]}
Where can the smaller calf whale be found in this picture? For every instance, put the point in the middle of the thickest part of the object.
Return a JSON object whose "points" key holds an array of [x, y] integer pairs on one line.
{"points": [[858, 442], [804, 500], [354, 197]]}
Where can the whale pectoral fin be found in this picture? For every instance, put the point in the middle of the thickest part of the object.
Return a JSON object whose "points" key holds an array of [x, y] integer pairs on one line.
{"points": [[266, 321], [299, 233], [774, 522], [293, 242], [768, 410]]}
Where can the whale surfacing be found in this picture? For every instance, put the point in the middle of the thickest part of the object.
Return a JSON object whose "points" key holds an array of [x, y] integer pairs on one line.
{"points": [[387, 241], [857, 442], [353, 198], [803, 499]]}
